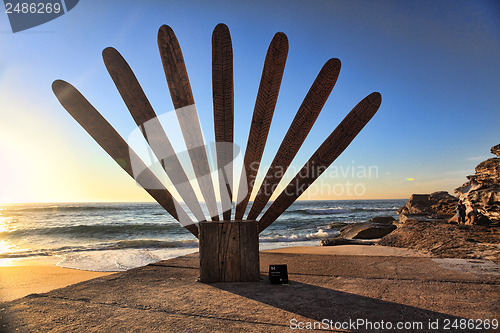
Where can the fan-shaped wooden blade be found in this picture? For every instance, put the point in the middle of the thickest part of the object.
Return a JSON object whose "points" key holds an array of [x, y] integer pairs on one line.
{"points": [[145, 117], [106, 136], [331, 148], [265, 104], [182, 98], [297, 133], [223, 98]]}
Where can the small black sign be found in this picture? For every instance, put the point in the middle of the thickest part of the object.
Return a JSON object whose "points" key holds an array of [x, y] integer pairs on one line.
{"points": [[278, 274]]}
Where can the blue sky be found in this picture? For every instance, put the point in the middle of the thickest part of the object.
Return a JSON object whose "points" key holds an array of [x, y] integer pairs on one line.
{"points": [[434, 62]]}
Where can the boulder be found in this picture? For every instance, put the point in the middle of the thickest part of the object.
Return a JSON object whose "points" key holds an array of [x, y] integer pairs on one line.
{"points": [[382, 219], [367, 230], [417, 204], [443, 203], [437, 206]]}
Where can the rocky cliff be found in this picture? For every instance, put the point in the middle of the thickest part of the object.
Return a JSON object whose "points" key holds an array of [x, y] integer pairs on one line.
{"points": [[480, 194], [482, 190]]}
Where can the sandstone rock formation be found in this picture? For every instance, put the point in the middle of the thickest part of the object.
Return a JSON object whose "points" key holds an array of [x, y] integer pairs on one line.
{"points": [[495, 150], [482, 190], [447, 240], [480, 194], [429, 207], [421, 216], [359, 233]]}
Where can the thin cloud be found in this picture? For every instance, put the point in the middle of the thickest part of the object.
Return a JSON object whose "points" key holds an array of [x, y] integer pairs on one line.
{"points": [[476, 158]]}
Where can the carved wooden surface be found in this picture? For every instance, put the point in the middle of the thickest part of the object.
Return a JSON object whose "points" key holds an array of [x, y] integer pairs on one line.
{"points": [[229, 251], [223, 99], [331, 148], [249, 245], [145, 117], [182, 98], [297, 133], [106, 136], [265, 104]]}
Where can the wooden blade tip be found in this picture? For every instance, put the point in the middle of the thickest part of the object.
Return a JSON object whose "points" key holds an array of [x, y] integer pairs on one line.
{"points": [[60, 86], [56, 84], [281, 40], [109, 52], [372, 102], [376, 97], [165, 29], [333, 63], [281, 35], [221, 27]]}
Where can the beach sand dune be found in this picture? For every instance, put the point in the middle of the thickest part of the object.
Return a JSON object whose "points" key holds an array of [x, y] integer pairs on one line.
{"points": [[166, 297]]}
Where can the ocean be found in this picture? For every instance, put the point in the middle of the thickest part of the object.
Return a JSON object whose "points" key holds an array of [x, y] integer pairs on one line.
{"points": [[120, 236]]}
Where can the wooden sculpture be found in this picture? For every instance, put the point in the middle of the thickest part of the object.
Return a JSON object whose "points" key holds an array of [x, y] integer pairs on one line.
{"points": [[228, 247]]}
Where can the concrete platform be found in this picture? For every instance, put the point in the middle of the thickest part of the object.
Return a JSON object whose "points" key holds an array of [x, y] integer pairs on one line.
{"points": [[350, 292]]}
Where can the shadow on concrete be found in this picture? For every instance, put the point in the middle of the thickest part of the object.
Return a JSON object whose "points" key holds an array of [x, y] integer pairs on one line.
{"points": [[352, 312]]}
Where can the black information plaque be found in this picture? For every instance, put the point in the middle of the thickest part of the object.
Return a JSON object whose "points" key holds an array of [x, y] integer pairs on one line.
{"points": [[278, 274]]}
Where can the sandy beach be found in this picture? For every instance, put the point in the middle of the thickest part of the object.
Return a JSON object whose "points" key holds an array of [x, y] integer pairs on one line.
{"points": [[19, 278], [341, 283]]}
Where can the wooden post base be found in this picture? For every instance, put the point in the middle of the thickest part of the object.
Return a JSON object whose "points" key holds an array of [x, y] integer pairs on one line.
{"points": [[229, 251]]}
